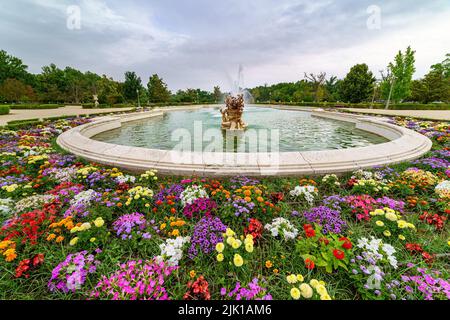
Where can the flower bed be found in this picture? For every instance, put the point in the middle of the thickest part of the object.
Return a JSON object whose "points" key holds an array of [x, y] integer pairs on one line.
{"points": [[70, 229]]}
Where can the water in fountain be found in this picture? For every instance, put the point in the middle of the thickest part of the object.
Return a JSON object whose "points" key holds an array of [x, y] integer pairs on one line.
{"points": [[238, 87]]}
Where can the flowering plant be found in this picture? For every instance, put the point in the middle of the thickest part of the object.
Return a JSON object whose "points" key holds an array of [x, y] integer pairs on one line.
{"points": [[443, 189], [314, 290], [207, 234], [421, 283], [198, 290], [307, 193], [135, 280], [172, 250], [191, 193], [86, 234], [331, 181], [370, 186], [173, 227], [199, 208], [139, 196], [27, 265], [371, 267], [149, 177], [330, 220], [232, 250], [283, 228], [328, 251], [255, 228], [132, 226], [253, 291], [71, 274], [389, 222]]}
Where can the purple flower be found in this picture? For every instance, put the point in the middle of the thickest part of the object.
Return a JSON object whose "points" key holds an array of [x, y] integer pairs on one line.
{"points": [[207, 233], [329, 219]]}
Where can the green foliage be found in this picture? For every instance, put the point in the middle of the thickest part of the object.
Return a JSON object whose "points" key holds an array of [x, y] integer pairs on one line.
{"points": [[23, 125], [358, 84], [4, 110], [157, 90], [400, 72], [13, 68], [13, 90], [131, 85], [35, 106]]}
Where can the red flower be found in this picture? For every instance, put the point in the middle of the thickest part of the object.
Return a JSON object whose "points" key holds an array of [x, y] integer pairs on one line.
{"points": [[309, 264], [324, 240], [198, 290], [347, 243], [309, 231], [339, 254], [255, 228]]}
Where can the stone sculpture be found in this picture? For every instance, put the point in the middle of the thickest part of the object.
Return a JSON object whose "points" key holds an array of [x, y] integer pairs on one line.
{"points": [[232, 113]]}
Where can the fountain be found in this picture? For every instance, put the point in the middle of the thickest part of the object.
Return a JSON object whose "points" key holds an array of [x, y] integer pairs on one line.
{"points": [[232, 113]]}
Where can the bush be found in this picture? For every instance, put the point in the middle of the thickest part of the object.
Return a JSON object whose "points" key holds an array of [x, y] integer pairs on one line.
{"points": [[34, 106], [23, 124], [399, 106], [21, 121], [4, 110]]}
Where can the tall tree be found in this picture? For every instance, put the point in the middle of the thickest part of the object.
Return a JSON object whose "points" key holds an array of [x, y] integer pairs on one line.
{"points": [[13, 68], [157, 90], [317, 81], [357, 86], [13, 90], [332, 89], [401, 71], [217, 94], [131, 85]]}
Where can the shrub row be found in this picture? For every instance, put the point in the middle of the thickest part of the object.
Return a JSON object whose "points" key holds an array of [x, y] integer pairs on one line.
{"points": [[23, 125], [4, 110], [34, 106]]}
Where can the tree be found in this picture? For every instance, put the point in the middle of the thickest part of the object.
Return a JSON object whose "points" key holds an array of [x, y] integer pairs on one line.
{"points": [[13, 68], [401, 72], [317, 82], [157, 90], [357, 86], [217, 94], [332, 89], [131, 85], [435, 86], [13, 90], [51, 84]]}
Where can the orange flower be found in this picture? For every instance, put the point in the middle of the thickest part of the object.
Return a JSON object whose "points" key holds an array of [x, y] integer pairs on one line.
{"points": [[51, 237], [59, 239], [275, 271], [260, 199], [119, 204], [10, 254], [247, 193], [269, 264], [192, 273], [173, 210], [248, 199]]}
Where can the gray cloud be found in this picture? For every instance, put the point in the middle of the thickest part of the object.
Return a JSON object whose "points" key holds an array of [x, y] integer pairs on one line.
{"points": [[201, 43]]}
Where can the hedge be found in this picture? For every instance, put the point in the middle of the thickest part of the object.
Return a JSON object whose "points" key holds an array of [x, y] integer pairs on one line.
{"points": [[23, 125], [4, 109], [34, 106], [22, 121]]}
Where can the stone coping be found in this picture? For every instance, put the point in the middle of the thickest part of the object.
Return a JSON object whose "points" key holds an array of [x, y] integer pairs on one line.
{"points": [[403, 145]]}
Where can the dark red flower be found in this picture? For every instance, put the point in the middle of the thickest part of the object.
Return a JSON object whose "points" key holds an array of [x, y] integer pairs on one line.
{"points": [[347, 243]]}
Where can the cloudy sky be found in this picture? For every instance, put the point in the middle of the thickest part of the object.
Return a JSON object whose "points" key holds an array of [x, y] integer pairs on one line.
{"points": [[201, 43]]}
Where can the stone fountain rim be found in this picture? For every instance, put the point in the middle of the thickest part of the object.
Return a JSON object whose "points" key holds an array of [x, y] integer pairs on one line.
{"points": [[403, 145]]}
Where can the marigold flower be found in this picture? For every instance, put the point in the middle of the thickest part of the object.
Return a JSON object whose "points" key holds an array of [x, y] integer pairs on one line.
{"points": [[10, 254], [306, 290], [192, 273], [73, 241], [292, 278], [51, 237], [220, 247], [295, 293], [59, 239], [99, 222], [220, 257], [387, 233], [237, 260], [269, 264]]}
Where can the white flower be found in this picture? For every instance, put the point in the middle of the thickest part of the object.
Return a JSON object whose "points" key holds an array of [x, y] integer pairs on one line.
{"points": [[283, 227], [308, 192], [192, 193], [172, 250]]}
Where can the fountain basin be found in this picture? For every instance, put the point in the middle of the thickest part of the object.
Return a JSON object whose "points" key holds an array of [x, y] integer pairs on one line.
{"points": [[401, 145]]}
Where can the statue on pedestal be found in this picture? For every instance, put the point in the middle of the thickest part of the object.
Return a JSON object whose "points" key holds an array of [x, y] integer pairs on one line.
{"points": [[232, 113], [96, 104]]}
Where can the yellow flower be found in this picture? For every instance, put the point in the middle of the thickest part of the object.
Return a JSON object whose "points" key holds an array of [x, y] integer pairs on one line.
{"points": [[300, 278], [391, 216], [306, 290], [292, 278], [314, 283], [295, 293], [74, 229], [377, 212], [220, 246], [92, 239], [401, 237], [230, 240], [325, 297], [85, 226], [379, 223], [248, 239], [192, 273], [402, 224], [448, 242], [220, 257], [73, 241], [321, 290], [249, 247], [236, 244], [99, 222], [238, 261], [387, 233], [229, 232]]}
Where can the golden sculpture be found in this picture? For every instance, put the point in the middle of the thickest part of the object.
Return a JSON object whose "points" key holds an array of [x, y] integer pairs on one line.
{"points": [[232, 113]]}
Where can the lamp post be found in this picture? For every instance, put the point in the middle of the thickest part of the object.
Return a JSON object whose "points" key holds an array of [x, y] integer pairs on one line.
{"points": [[139, 102]]}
